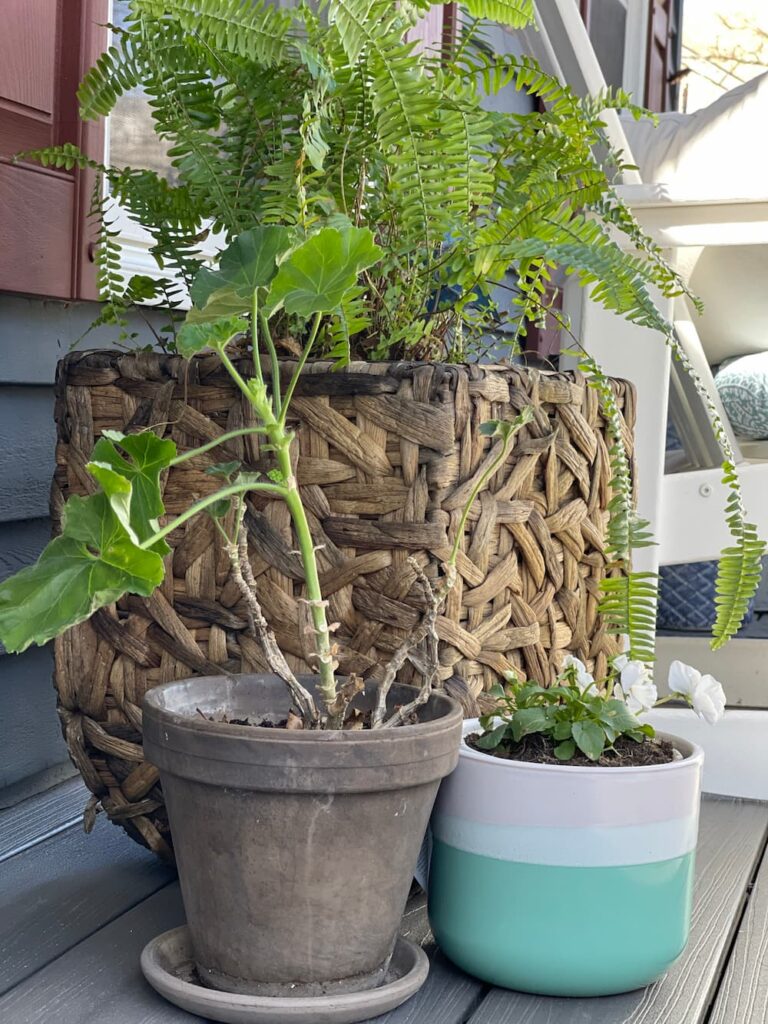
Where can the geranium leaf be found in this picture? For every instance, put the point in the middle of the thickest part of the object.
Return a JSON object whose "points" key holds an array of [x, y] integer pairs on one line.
{"points": [[138, 459], [93, 563], [224, 302], [248, 263], [117, 489], [316, 276], [223, 469], [193, 337]]}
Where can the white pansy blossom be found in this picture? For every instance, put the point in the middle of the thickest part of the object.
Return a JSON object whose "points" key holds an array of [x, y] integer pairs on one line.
{"points": [[703, 692], [637, 687], [584, 679]]}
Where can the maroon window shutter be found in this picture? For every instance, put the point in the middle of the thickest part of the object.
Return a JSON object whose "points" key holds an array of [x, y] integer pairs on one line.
{"points": [[45, 48]]}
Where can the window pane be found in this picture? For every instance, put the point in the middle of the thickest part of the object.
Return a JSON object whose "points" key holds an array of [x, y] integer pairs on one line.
{"points": [[132, 142]]}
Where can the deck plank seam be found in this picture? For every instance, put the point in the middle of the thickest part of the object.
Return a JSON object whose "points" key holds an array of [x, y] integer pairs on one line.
{"points": [[476, 1003], [42, 838], [103, 924], [736, 924]]}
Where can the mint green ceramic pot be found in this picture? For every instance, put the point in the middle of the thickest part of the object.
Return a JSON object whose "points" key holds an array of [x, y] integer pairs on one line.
{"points": [[564, 881]]}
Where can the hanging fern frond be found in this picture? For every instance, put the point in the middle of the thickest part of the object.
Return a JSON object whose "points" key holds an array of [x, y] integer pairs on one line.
{"points": [[117, 71], [252, 29], [628, 599], [628, 605], [740, 567], [515, 13]]}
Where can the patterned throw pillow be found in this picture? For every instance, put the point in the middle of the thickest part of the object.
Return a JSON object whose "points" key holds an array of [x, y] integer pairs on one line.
{"points": [[743, 388]]}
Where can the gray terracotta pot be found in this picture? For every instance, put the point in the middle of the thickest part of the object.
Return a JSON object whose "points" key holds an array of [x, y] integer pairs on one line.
{"points": [[295, 849]]}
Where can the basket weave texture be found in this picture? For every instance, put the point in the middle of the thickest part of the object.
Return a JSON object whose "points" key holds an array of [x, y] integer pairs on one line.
{"points": [[386, 456]]}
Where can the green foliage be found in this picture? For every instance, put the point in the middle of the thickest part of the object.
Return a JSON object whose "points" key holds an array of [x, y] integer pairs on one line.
{"points": [[249, 262], [106, 548], [299, 120], [317, 275], [112, 542], [292, 118], [138, 460], [740, 566], [92, 563], [193, 337], [574, 717], [629, 598]]}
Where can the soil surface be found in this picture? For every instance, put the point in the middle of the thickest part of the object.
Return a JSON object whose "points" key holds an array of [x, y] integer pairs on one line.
{"points": [[627, 753], [355, 720]]}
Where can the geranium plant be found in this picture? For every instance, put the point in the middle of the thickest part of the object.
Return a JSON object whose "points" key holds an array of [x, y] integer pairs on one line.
{"points": [[112, 542], [581, 715]]}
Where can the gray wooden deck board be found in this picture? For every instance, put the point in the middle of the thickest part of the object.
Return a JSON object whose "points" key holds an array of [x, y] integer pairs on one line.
{"points": [[731, 839], [64, 889], [743, 994], [99, 981], [41, 817]]}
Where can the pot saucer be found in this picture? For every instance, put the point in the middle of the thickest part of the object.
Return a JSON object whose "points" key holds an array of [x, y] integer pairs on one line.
{"points": [[167, 964]]}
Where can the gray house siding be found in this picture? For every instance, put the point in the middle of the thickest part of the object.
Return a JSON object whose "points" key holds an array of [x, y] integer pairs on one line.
{"points": [[34, 334]]}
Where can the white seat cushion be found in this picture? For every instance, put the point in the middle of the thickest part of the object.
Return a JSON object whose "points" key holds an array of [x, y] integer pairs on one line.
{"points": [[720, 152]]}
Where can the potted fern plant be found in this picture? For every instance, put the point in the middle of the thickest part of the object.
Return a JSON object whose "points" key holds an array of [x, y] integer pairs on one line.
{"points": [[324, 115]]}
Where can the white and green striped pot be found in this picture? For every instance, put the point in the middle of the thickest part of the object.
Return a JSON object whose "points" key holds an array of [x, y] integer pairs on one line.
{"points": [[561, 880]]}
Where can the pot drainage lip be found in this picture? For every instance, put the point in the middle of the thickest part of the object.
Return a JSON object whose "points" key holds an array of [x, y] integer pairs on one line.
{"points": [[167, 964]]}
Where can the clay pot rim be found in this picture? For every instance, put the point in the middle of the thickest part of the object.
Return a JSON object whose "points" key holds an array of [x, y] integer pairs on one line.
{"points": [[194, 723]]}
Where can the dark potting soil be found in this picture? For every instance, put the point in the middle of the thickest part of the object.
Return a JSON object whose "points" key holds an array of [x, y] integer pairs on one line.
{"points": [[355, 720], [627, 753]]}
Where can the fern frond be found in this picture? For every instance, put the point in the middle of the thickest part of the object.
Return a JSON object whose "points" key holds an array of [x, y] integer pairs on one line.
{"points": [[515, 13], [118, 70], [251, 29], [64, 157], [628, 605], [628, 599], [740, 567]]}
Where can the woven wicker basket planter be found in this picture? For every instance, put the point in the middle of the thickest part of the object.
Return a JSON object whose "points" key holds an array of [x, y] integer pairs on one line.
{"points": [[386, 456]]}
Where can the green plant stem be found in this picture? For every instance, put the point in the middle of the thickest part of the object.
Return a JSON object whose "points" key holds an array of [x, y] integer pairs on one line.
{"points": [[229, 436], [273, 362], [317, 606], [211, 499], [255, 336], [235, 373], [300, 366]]}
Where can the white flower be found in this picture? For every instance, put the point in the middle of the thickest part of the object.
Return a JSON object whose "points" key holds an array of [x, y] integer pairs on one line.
{"points": [[703, 693], [584, 679], [637, 687]]}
